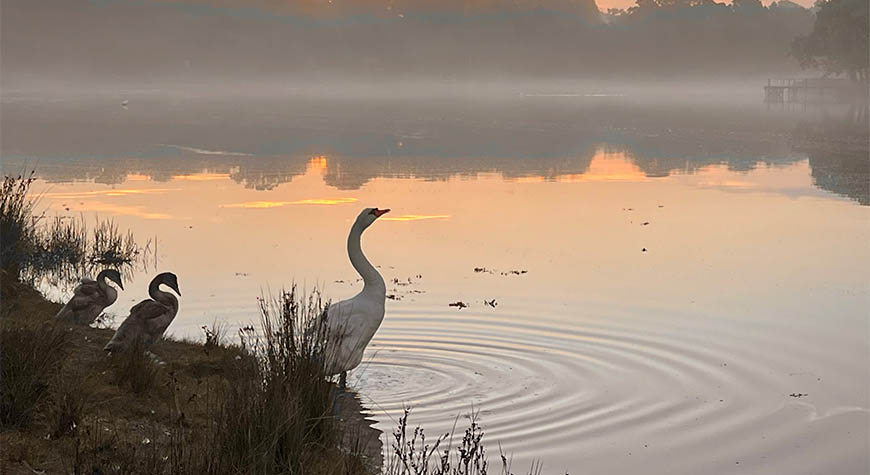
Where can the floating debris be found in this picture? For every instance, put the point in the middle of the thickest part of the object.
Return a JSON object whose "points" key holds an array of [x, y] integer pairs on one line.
{"points": [[515, 272], [406, 282], [643, 250], [661, 206], [797, 395], [494, 271], [394, 297], [645, 223], [490, 303], [459, 304], [241, 274]]}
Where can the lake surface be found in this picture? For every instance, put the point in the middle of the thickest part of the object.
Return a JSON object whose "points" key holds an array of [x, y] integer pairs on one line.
{"points": [[691, 290]]}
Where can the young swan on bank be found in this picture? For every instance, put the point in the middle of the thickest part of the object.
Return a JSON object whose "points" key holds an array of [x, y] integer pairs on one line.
{"points": [[351, 323], [149, 318], [90, 298]]}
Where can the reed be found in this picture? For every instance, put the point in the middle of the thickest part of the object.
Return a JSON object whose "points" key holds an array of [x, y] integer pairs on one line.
{"points": [[278, 416], [410, 452], [61, 249]]}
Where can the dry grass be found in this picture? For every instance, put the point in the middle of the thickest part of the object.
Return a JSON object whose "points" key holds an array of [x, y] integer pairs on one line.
{"points": [[16, 221], [134, 368], [411, 454], [30, 354], [268, 423], [60, 250]]}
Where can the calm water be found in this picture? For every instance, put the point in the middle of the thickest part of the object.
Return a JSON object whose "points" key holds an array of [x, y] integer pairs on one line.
{"points": [[696, 289]]}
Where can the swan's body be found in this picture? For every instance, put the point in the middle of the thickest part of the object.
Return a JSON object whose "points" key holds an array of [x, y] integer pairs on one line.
{"points": [[149, 318], [90, 298], [351, 323]]}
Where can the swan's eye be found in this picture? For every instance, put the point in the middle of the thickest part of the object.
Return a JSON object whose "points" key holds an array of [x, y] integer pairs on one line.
{"points": [[374, 211]]}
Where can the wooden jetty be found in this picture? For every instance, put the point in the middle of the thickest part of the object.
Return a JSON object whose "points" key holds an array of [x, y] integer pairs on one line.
{"points": [[803, 91]]}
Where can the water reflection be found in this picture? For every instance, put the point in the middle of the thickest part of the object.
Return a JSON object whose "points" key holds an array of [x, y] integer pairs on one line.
{"points": [[354, 144], [278, 204]]}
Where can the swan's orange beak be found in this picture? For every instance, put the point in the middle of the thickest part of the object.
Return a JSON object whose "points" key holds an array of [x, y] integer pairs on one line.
{"points": [[381, 212]]}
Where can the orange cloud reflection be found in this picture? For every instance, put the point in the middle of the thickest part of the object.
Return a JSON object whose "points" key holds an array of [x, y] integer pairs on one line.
{"points": [[604, 167], [416, 217], [202, 177], [137, 211], [278, 204], [123, 192], [319, 162]]}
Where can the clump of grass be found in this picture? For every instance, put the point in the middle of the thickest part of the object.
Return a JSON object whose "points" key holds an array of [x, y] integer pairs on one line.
{"points": [[110, 247], [278, 415], [411, 454], [215, 336], [16, 221], [134, 368], [65, 406], [30, 354], [57, 245]]}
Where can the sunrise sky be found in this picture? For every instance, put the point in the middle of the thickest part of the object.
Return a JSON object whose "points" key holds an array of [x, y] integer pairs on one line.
{"points": [[396, 6]]}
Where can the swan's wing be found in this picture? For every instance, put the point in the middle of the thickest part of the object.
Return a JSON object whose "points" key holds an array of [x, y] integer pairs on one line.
{"points": [[129, 331], [144, 316], [85, 295], [338, 318], [155, 317], [148, 309]]}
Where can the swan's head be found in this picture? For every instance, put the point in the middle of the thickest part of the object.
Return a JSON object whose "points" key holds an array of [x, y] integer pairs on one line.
{"points": [[170, 279], [369, 215], [114, 276]]}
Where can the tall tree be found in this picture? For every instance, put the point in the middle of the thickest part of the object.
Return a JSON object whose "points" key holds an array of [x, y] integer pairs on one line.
{"points": [[839, 41]]}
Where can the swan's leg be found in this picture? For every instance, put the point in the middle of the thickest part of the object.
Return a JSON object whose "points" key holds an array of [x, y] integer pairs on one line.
{"points": [[342, 380]]}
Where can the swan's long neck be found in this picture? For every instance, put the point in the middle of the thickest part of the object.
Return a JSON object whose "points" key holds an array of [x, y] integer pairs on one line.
{"points": [[372, 280], [163, 297], [101, 282]]}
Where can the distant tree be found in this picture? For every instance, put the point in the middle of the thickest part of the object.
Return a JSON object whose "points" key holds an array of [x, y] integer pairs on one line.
{"points": [[839, 41]]}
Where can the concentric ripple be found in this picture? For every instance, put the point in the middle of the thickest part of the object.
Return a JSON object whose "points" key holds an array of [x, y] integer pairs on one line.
{"points": [[594, 395]]}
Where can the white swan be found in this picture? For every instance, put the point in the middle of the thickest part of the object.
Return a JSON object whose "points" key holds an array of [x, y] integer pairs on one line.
{"points": [[351, 323], [90, 298], [149, 318]]}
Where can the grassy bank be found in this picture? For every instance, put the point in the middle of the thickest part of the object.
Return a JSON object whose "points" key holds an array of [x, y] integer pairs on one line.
{"points": [[204, 408]]}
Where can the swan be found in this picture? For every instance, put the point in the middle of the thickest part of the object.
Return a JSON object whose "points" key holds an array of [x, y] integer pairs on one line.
{"points": [[350, 324], [149, 318], [90, 298]]}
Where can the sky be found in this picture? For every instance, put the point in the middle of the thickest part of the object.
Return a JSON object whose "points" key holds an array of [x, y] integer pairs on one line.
{"points": [[395, 6]]}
